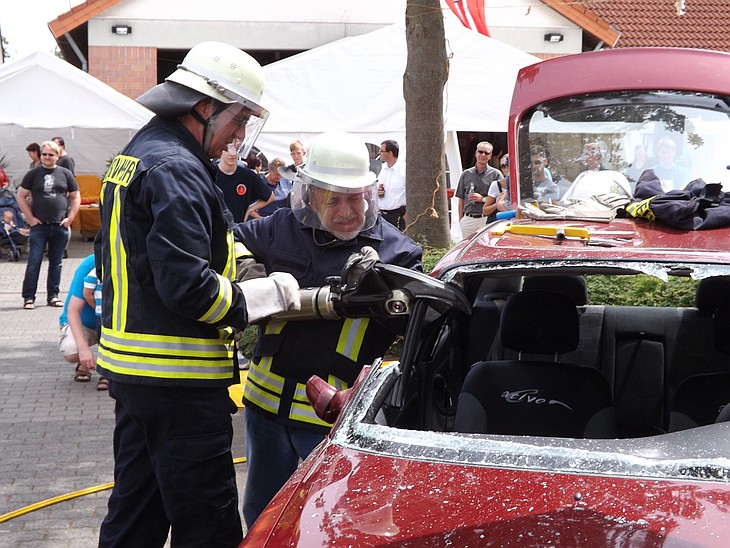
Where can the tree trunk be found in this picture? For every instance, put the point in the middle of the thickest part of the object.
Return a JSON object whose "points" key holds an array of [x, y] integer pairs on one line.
{"points": [[423, 88]]}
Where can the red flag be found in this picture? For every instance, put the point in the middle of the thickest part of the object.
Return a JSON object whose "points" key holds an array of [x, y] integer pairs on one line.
{"points": [[470, 13]]}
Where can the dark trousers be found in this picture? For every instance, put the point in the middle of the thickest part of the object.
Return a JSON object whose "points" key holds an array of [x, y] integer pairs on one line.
{"points": [[173, 468], [396, 217], [56, 236]]}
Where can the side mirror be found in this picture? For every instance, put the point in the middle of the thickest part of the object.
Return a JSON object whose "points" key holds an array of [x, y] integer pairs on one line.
{"points": [[327, 401]]}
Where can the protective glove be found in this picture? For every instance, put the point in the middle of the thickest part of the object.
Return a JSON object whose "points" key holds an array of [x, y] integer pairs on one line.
{"points": [[358, 263], [267, 296]]}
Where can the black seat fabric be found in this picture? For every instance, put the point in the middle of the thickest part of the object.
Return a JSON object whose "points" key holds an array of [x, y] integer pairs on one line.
{"points": [[699, 400], [536, 397], [572, 286]]}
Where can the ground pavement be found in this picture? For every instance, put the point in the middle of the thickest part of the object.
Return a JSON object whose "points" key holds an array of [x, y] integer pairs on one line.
{"points": [[55, 434]]}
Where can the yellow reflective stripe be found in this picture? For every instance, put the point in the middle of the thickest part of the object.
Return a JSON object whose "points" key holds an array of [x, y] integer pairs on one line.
{"points": [[118, 256], [143, 343], [261, 398], [126, 365], [351, 337], [241, 250], [222, 303], [263, 387], [230, 269], [302, 410], [274, 327], [305, 413], [121, 170]]}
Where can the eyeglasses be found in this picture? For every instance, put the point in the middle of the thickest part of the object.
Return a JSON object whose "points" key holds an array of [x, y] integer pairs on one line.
{"points": [[47, 154], [382, 151], [487, 152]]}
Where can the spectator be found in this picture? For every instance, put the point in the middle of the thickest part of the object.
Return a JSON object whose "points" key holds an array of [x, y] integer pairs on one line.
{"points": [[392, 186], [243, 191], [64, 158], [252, 162], [473, 188], [297, 152], [280, 186], [672, 175], [641, 162], [334, 214], [78, 326], [170, 305], [34, 153], [543, 186], [54, 203], [19, 235], [592, 157], [498, 197]]}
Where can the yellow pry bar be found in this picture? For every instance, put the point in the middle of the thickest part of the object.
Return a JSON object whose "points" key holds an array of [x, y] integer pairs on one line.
{"points": [[543, 230]]}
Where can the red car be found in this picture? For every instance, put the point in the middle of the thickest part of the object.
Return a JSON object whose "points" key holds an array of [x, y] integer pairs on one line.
{"points": [[528, 408]]}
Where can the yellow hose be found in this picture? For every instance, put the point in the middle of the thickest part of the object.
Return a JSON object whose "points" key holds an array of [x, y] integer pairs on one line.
{"points": [[69, 496]]}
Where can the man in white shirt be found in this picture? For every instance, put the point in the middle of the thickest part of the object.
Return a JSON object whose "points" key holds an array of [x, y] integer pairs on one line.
{"points": [[392, 186]]}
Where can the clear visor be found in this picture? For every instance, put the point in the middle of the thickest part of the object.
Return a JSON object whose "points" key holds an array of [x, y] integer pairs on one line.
{"points": [[343, 212], [237, 128]]}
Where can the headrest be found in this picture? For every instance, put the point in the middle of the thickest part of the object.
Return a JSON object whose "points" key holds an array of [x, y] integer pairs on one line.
{"points": [[711, 292], [573, 287], [501, 286], [540, 322]]}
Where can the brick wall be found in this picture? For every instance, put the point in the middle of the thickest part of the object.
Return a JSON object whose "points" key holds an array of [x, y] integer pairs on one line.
{"points": [[129, 70]]}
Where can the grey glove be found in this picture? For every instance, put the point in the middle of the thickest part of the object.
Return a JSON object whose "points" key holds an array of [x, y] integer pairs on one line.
{"points": [[268, 296], [358, 263], [247, 269]]}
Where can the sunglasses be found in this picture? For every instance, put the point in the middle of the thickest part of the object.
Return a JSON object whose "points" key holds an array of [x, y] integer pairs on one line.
{"points": [[47, 154], [483, 152]]}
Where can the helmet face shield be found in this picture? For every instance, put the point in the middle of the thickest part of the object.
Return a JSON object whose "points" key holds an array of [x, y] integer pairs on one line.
{"points": [[341, 211], [236, 125]]}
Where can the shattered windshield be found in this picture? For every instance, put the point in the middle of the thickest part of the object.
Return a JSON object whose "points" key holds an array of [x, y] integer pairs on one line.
{"points": [[575, 147]]}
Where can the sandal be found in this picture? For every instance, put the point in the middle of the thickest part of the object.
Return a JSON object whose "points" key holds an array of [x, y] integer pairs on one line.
{"points": [[103, 384], [80, 375], [28, 304], [55, 302]]}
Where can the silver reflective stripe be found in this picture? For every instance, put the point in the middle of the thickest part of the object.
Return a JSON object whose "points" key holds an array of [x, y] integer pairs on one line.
{"points": [[222, 304], [144, 344], [123, 363], [260, 375]]}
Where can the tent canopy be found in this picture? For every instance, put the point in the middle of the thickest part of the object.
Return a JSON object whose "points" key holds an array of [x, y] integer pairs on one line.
{"points": [[356, 84], [42, 96]]}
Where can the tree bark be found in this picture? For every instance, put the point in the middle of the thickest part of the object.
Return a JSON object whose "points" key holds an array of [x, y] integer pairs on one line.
{"points": [[423, 89]]}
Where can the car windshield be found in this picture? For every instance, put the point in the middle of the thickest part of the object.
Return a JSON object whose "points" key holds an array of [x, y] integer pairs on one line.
{"points": [[571, 148]]}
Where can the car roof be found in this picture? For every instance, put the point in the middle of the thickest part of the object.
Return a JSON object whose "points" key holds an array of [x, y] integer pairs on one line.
{"points": [[624, 69]]}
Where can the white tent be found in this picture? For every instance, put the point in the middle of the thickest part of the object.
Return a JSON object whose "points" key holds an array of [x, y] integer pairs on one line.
{"points": [[42, 96], [356, 84]]}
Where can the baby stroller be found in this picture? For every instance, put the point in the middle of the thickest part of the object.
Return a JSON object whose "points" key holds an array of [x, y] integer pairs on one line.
{"points": [[12, 239]]}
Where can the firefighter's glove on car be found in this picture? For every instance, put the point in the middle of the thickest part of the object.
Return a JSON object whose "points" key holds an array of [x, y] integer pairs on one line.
{"points": [[358, 264], [267, 296]]}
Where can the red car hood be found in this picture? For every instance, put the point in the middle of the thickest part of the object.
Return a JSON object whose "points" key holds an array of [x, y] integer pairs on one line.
{"points": [[341, 497]]}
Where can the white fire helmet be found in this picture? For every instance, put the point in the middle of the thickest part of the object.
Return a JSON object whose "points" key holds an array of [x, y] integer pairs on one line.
{"points": [[335, 189], [225, 73]]}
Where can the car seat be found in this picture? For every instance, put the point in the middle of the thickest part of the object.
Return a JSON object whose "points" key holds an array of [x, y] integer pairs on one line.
{"points": [[537, 397], [702, 399]]}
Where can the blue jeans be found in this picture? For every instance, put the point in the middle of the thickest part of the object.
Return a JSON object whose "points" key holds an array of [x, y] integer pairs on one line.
{"points": [[56, 236], [273, 451]]}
